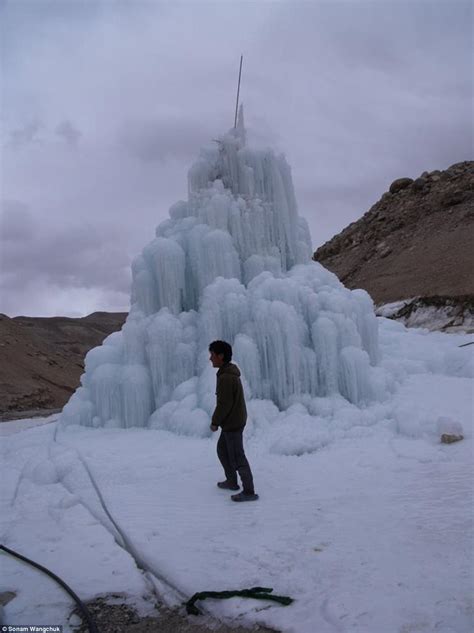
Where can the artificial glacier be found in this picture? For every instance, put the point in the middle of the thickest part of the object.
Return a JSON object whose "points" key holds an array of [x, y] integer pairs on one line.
{"points": [[233, 262]]}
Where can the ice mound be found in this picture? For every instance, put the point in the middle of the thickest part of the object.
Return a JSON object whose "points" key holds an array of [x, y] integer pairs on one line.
{"points": [[232, 262]]}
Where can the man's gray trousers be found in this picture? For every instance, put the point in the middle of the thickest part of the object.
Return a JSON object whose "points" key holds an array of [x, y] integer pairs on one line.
{"points": [[230, 451]]}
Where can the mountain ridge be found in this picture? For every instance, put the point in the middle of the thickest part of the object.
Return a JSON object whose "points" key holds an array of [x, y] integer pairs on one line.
{"points": [[415, 241]]}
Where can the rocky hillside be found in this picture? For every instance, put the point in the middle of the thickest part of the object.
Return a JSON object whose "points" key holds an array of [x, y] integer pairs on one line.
{"points": [[416, 241], [43, 358]]}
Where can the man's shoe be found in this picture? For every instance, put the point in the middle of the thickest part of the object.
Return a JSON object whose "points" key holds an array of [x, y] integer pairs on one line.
{"points": [[242, 496], [226, 485]]}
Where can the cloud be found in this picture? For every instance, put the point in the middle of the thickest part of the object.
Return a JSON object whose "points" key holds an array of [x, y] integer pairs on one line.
{"points": [[355, 93], [82, 260], [68, 133], [26, 134], [79, 256], [15, 221], [50, 300], [161, 139]]}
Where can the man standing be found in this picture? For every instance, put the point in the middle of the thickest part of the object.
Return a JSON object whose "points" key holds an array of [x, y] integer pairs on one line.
{"points": [[231, 415]]}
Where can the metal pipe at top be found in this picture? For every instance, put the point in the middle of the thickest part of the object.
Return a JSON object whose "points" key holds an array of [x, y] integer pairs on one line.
{"points": [[238, 92]]}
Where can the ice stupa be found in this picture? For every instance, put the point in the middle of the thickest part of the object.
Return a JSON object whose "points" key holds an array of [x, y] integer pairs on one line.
{"points": [[233, 262]]}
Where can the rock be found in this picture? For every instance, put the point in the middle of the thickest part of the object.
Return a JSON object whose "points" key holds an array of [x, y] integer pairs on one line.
{"points": [[6, 597], [419, 184], [452, 198], [400, 184], [448, 438], [385, 251], [461, 167]]}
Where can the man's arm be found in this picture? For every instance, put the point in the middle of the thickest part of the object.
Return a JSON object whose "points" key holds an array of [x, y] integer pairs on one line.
{"points": [[225, 399]]}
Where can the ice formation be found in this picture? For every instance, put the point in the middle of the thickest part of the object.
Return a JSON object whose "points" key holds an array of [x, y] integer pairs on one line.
{"points": [[233, 262]]}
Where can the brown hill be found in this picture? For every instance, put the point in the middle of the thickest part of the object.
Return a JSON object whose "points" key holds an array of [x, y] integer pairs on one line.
{"points": [[43, 358], [416, 241]]}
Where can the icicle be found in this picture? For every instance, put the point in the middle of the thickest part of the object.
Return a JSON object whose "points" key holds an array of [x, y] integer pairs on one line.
{"points": [[232, 262]]}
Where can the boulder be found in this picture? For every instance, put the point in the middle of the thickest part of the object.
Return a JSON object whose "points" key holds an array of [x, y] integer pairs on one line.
{"points": [[450, 430], [449, 438], [419, 184], [400, 184]]}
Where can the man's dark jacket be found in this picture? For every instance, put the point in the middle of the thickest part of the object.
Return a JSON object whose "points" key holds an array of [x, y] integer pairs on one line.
{"points": [[230, 413]]}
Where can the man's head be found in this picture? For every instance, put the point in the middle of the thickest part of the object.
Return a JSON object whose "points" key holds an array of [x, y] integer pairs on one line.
{"points": [[221, 353]]}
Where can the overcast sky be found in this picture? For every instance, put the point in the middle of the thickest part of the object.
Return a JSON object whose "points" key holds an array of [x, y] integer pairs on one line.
{"points": [[105, 105]]}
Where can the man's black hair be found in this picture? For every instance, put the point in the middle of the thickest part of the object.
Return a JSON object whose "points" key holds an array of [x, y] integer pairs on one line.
{"points": [[221, 347]]}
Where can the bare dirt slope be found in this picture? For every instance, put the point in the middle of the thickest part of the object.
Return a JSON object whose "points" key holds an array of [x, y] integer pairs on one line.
{"points": [[416, 241], [43, 358]]}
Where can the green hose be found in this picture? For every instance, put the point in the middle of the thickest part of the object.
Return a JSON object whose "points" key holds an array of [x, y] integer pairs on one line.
{"points": [[259, 593]]}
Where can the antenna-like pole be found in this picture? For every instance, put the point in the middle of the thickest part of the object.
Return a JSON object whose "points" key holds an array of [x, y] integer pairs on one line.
{"points": [[238, 92]]}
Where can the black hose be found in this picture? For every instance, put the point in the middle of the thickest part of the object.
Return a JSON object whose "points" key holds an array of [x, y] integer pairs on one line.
{"points": [[87, 616], [259, 593]]}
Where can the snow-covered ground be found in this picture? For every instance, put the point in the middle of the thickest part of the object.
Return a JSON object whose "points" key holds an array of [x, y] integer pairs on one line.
{"points": [[364, 517]]}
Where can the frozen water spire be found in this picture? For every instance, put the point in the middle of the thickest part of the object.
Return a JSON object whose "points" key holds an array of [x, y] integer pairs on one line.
{"points": [[232, 262]]}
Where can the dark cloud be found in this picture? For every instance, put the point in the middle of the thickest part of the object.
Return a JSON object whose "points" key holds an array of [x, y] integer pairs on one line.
{"points": [[68, 133], [26, 134], [355, 93], [82, 258]]}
